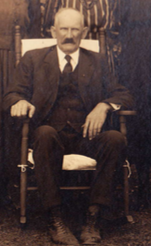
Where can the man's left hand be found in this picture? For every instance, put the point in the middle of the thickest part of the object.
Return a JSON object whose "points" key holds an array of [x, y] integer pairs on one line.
{"points": [[95, 120]]}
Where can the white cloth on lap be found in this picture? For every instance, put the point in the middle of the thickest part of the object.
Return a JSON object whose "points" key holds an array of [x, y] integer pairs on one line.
{"points": [[72, 162], [78, 162]]}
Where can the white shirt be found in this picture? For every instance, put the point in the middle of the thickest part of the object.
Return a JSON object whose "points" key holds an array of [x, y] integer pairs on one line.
{"points": [[62, 61]]}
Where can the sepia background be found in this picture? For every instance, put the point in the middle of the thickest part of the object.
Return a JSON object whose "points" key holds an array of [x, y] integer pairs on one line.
{"points": [[127, 28]]}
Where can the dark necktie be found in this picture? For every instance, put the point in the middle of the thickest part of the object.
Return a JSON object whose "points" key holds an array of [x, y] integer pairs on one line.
{"points": [[67, 68]]}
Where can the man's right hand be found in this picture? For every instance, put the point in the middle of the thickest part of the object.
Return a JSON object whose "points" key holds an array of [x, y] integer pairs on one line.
{"points": [[22, 108]]}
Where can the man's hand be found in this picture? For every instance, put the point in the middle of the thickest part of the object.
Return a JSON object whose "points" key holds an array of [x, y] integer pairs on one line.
{"points": [[22, 108], [95, 120]]}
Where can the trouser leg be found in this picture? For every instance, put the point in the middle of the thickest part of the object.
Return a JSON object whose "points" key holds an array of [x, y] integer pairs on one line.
{"points": [[48, 156], [109, 153], [109, 150]]}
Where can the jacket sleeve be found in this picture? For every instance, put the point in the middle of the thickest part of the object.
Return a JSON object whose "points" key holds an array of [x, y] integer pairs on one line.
{"points": [[114, 92], [20, 88]]}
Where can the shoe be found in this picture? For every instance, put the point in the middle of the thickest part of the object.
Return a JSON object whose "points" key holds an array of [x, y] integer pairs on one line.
{"points": [[90, 234], [60, 233]]}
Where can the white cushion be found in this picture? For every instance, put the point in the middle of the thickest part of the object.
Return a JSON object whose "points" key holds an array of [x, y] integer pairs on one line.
{"points": [[78, 162], [72, 162]]}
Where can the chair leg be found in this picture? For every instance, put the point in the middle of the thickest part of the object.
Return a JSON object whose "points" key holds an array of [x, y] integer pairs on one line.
{"points": [[126, 194], [23, 174], [23, 191]]}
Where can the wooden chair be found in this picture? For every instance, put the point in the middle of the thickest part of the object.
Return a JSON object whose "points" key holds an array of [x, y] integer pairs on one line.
{"points": [[32, 44]]}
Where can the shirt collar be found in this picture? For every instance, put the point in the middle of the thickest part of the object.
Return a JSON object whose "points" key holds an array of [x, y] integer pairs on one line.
{"points": [[62, 61]]}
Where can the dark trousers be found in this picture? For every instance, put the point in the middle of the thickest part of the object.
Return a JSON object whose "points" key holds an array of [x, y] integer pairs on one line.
{"points": [[108, 148]]}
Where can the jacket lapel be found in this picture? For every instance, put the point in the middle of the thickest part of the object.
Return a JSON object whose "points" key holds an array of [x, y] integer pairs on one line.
{"points": [[52, 71], [51, 65], [86, 69], [47, 78]]}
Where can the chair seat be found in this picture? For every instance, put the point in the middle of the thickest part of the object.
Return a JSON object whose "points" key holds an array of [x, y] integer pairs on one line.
{"points": [[72, 162]]}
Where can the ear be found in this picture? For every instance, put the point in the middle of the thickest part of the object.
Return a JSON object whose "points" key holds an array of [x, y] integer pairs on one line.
{"points": [[53, 32], [85, 32]]}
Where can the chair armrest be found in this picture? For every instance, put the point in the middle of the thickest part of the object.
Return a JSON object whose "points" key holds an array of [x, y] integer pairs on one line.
{"points": [[126, 112], [122, 119]]}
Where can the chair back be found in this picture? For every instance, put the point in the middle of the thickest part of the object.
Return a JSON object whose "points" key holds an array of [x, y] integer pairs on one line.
{"points": [[30, 44], [24, 45]]}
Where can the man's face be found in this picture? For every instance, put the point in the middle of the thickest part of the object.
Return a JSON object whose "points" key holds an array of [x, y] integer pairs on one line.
{"points": [[68, 31]]}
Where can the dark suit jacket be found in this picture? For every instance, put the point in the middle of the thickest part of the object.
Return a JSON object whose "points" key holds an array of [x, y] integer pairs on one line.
{"points": [[37, 80]]}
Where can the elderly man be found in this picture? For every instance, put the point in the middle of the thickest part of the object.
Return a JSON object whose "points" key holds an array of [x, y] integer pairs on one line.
{"points": [[68, 93], [98, 15]]}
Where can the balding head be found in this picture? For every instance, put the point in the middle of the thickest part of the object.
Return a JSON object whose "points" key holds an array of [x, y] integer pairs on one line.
{"points": [[69, 29], [67, 12]]}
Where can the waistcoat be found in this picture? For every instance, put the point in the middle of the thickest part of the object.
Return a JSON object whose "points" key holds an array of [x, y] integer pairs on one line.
{"points": [[69, 109]]}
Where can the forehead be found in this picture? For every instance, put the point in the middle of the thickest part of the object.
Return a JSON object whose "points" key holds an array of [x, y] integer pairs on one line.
{"points": [[69, 18]]}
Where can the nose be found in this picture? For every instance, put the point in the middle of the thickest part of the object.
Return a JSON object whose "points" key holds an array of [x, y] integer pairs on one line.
{"points": [[69, 33]]}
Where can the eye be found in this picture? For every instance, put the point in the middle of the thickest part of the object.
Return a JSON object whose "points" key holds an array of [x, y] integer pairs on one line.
{"points": [[75, 29], [63, 29]]}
